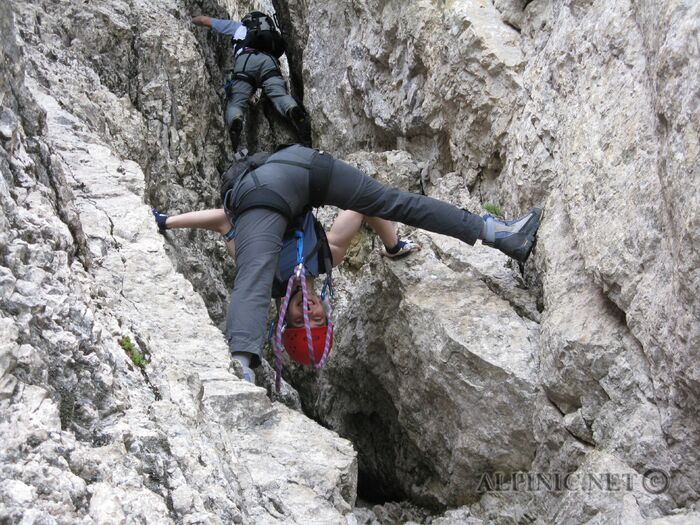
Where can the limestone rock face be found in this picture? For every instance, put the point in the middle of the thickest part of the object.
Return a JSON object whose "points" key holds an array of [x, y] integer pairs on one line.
{"points": [[588, 109], [425, 350], [464, 382], [117, 401]]}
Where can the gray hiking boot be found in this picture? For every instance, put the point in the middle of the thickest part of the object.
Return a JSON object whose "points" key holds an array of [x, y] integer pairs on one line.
{"points": [[516, 237]]}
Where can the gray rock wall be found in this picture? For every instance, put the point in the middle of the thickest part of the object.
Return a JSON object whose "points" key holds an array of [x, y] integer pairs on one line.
{"points": [[588, 109], [117, 400], [448, 365]]}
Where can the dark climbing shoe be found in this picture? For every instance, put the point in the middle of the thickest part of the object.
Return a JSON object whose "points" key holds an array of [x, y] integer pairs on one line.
{"points": [[234, 132], [516, 237], [402, 248], [301, 123], [160, 220]]}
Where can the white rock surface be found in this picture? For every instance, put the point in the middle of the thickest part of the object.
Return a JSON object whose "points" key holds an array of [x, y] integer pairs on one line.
{"points": [[448, 365], [93, 437]]}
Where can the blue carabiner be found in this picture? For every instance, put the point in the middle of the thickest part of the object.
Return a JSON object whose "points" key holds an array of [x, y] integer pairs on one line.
{"points": [[300, 246]]}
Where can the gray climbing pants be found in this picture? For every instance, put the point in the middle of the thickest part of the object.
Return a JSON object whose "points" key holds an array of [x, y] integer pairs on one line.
{"points": [[260, 231], [257, 66]]}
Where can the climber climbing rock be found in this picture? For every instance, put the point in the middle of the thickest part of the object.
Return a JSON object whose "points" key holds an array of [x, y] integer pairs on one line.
{"points": [[304, 242], [257, 47], [263, 201]]}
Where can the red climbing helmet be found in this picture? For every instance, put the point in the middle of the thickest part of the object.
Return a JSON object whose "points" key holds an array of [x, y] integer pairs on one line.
{"points": [[296, 345]]}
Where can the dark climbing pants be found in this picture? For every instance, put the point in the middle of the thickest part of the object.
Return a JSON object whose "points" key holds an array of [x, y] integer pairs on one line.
{"points": [[260, 231], [256, 66]]}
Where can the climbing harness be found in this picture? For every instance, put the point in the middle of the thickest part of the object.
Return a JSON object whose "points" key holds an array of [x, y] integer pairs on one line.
{"points": [[320, 172], [315, 252], [319, 342], [248, 77]]}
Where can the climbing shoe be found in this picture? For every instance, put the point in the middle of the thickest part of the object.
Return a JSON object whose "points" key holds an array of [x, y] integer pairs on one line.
{"points": [[300, 121], [248, 375], [234, 132], [160, 220], [516, 237], [401, 249]]}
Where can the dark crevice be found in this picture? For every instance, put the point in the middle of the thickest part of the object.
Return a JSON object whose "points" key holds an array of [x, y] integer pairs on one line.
{"points": [[295, 48], [72, 222], [485, 185], [553, 402], [513, 26]]}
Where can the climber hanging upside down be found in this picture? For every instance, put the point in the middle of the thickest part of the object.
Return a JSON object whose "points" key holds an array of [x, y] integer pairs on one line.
{"points": [[262, 202], [321, 252]]}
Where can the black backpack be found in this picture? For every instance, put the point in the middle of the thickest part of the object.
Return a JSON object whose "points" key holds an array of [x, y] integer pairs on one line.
{"points": [[262, 34]]}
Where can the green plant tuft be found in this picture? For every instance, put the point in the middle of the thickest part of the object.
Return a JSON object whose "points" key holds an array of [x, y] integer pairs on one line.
{"points": [[493, 209], [128, 346]]}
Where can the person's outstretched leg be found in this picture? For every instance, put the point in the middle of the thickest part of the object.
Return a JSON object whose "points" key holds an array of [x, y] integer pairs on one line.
{"points": [[349, 188]]}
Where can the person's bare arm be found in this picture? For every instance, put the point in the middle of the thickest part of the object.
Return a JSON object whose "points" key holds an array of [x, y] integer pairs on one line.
{"points": [[214, 220], [204, 21]]}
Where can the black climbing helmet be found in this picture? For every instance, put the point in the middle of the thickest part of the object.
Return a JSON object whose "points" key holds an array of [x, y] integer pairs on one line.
{"points": [[262, 34]]}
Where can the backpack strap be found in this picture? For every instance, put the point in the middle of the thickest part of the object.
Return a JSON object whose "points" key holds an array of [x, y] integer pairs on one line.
{"points": [[320, 171], [320, 178], [261, 197]]}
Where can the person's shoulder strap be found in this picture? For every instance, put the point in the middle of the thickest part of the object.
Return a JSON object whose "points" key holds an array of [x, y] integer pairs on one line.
{"points": [[320, 178]]}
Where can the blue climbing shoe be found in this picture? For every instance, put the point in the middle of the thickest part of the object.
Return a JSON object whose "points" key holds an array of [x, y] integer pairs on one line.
{"points": [[402, 248], [160, 220], [516, 237], [248, 375]]}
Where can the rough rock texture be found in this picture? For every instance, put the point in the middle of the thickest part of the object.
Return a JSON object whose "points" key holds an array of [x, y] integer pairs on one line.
{"points": [[462, 382], [94, 434], [430, 328], [589, 109]]}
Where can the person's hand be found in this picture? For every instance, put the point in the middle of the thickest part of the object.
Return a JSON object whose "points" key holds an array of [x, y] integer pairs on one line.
{"points": [[200, 20]]}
